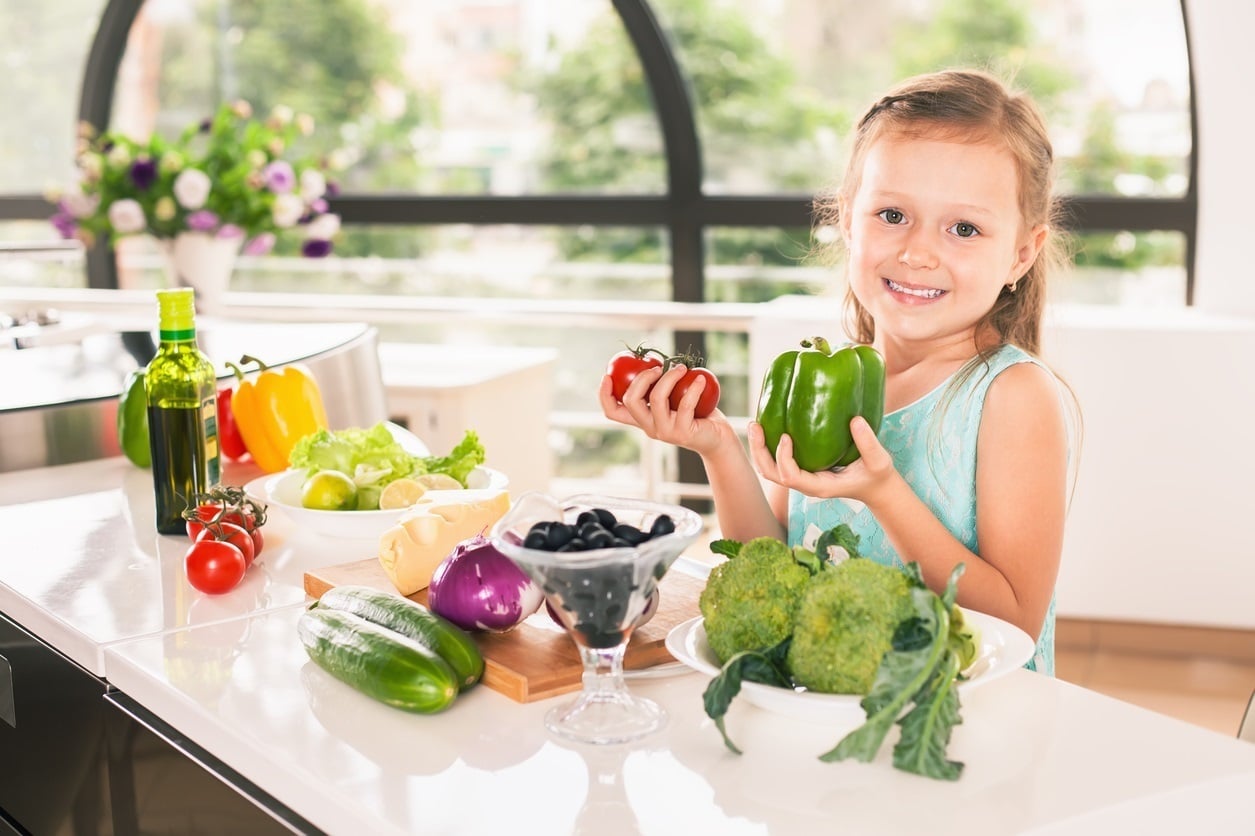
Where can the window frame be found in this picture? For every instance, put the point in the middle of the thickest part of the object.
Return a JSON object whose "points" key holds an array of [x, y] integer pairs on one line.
{"points": [[684, 210]]}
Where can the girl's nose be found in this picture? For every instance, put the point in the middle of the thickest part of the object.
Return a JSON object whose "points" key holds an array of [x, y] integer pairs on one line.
{"points": [[918, 254]]}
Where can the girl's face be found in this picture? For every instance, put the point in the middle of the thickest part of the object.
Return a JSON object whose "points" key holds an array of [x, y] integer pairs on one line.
{"points": [[933, 234]]}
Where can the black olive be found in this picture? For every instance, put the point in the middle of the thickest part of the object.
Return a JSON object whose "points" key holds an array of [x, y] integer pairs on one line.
{"points": [[536, 540], [588, 529], [574, 544], [619, 543], [606, 517], [599, 539], [631, 533], [662, 526], [541, 527], [586, 517], [558, 535]]}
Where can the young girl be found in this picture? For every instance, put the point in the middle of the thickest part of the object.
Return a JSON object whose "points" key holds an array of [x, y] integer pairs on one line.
{"points": [[945, 213]]}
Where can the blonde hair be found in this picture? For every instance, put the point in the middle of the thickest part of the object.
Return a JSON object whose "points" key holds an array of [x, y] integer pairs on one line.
{"points": [[970, 106]]}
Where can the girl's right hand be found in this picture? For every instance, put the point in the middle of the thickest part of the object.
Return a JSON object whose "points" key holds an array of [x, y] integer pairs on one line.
{"points": [[860, 480], [657, 419]]}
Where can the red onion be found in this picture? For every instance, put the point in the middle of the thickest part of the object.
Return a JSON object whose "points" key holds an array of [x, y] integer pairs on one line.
{"points": [[479, 588]]}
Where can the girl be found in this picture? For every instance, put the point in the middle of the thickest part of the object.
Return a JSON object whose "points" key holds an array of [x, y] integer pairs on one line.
{"points": [[945, 212]]}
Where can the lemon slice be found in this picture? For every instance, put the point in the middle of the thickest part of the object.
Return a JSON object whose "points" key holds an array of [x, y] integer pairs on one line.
{"points": [[440, 482], [329, 490], [400, 494]]}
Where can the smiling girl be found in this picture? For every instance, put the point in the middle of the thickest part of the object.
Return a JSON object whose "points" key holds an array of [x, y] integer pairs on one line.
{"points": [[945, 212]]}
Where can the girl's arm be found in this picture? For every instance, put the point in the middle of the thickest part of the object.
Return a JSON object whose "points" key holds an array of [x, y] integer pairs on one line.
{"points": [[1021, 476], [740, 503]]}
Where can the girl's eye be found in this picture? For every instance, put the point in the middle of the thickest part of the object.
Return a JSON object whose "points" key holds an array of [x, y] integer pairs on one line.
{"points": [[963, 229], [891, 216]]}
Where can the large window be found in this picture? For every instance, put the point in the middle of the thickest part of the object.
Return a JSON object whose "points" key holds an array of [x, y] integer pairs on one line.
{"points": [[602, 149]]}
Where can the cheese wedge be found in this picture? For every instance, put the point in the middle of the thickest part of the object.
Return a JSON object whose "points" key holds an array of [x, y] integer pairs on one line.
{"points": [[424, 536]]}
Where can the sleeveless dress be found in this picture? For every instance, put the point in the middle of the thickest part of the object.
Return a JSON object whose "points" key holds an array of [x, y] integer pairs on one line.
{"points": [[938, 461]]}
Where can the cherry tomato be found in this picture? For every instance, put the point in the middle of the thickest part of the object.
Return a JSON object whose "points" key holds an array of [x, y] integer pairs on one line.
{"points": [[626, 365], [233, 534], [258, 541], [208, 511], [710, 395], [214, 566]]}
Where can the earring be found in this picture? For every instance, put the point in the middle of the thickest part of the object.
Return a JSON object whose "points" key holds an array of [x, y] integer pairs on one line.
{"points": [[1011, 287]]}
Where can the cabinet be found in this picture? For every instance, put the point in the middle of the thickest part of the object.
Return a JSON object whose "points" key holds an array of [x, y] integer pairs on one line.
{"points": [[503, 393]]}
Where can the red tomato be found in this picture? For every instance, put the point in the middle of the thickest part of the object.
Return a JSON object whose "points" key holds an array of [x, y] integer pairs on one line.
{"points": [[710, 395], [214, 566], [258, 541], [626, 365], [208, 512], [233, 534]]}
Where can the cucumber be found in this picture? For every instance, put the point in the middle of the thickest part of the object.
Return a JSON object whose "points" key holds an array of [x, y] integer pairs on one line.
{"points": [[450, 642], [378, 662]]}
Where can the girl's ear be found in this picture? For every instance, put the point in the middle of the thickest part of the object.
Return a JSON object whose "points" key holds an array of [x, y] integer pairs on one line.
{"points": [[1029, 250], [843, 219]]}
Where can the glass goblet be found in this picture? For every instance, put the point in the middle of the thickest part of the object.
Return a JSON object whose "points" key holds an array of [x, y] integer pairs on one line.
{"points": [[599, 595]]}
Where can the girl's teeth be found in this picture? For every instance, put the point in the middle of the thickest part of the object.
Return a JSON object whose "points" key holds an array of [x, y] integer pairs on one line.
{"points": [[910, 291]]}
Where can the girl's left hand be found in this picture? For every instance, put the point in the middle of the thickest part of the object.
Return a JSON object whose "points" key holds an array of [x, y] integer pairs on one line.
{"points": [[859, 480]]}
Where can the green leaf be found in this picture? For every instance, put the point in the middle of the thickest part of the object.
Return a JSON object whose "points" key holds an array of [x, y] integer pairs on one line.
{"points": [[926, 728], [763, 666], [841, 537], [727, 548]]}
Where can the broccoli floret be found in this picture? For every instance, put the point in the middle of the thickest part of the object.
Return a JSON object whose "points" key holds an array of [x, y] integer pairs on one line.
{"points": [[749, 600], [845, 623]]}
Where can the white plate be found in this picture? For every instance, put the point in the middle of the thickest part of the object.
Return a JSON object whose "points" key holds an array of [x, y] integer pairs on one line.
{"points": [[283, 491], [1004, 647]]}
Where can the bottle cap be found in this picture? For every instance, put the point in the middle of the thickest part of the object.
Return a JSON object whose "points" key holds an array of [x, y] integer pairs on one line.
{"points": [[178, 312]]}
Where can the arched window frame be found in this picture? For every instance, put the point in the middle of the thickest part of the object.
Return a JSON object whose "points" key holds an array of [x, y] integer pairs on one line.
{"points": [[684, 210]]}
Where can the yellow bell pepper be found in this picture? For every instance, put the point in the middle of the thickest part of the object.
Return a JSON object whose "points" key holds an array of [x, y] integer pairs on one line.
{"points": [[275, 411]]}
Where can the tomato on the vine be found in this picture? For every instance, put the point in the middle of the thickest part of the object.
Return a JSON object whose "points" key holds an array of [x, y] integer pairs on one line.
{"points": [[208, 512], [709, 398], [235, 535], [625, 366], [214, 566], [224, 504]]}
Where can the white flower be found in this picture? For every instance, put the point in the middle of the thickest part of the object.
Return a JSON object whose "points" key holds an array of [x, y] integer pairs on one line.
{"points": [[126, 216], [256, 158], [165, 209], [282, 114], [92, 166], [313, 185], [287, 210], [305, 124], [323, 227], [171, 161], [340, 159], [81, 205], [191, 188], [119, 156]]}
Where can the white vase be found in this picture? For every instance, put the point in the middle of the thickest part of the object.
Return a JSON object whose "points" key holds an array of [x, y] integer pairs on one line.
{"points": [[204, 263]]}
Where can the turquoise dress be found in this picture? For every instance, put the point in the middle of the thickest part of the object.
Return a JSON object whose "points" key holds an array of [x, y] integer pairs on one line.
{"points": [[933, 443]]}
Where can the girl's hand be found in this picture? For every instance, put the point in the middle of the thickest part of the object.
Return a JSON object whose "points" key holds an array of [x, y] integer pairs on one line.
{"points": [[860, 480], [657, 419]]}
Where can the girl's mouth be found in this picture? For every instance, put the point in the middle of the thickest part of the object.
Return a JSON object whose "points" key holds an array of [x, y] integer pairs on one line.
{"points": [[925, 293]]}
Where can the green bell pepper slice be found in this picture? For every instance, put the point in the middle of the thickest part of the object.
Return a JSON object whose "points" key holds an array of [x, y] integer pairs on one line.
{"points": [[813, 394], [133, 420]]}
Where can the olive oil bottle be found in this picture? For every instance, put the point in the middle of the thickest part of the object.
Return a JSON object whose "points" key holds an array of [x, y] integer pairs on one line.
{"points": [[180, 387]]}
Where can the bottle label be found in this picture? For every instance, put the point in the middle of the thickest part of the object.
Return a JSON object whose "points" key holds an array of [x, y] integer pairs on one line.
{"points": [[209, 417], [180, 335]]}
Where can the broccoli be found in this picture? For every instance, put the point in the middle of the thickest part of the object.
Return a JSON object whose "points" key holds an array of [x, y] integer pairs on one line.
{"points": [[845, 624], [749, 600]]}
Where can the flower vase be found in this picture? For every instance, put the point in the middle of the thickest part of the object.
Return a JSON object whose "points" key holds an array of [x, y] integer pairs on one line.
{"points": [[204, 263]]}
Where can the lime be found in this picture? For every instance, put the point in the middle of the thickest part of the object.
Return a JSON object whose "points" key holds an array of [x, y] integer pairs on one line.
{"points": [[439, 482], [329, 490], [400, 494]]}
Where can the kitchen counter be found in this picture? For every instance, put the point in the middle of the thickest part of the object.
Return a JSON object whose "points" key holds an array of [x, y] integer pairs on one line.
{"points": [[83, 571]]}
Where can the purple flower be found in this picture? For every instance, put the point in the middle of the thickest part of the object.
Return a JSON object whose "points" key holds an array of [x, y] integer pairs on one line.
{"points": [[280, 178], [316, 248], [64, 223], [333, 189], [319, 206], [202, 220], [230, 231], [260, 244], [206, 124], [144, 173]]}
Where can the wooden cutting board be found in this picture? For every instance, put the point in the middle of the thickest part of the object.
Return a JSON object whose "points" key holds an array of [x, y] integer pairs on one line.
{"points": [[537, 659]]}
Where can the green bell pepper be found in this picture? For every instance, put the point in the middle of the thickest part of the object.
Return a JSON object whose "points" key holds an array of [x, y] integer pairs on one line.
{"points": [[133, 420], [813, 394]]}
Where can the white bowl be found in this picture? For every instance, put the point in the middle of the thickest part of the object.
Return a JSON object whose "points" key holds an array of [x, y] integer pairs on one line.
{"points": [[1004, 648], [283, 491]]}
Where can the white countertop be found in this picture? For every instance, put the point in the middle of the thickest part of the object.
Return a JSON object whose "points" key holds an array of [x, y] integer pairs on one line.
{"points": [[84, 573]]}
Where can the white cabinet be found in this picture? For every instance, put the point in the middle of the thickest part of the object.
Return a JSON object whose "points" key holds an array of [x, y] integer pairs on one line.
{"points": [[503, 393]]}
